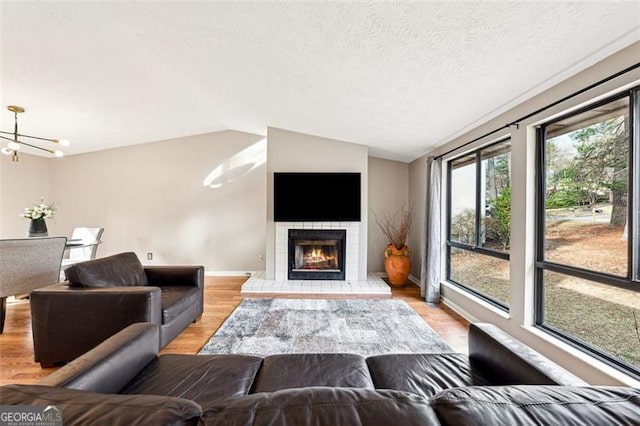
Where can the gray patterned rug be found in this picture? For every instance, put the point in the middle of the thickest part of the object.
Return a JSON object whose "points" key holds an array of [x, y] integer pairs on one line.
{"points": [[366, 327]]}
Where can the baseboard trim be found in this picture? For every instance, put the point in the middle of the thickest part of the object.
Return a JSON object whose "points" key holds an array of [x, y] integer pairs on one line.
{"points": [[413, 280], [457, 309], [228, 273]]}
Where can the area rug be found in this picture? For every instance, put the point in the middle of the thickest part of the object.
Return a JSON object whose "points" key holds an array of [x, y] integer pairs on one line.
{"points": [[367, 327]]}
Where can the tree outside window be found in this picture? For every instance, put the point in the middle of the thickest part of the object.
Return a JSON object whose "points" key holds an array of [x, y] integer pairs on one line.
{"points": [[479, 231], [587, 293]]}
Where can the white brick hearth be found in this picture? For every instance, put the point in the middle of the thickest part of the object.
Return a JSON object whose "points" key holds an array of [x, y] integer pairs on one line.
{"points": [[374, 285]]}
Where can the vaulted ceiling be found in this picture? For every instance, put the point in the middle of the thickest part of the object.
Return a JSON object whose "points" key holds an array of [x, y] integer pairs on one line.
{"points": [[399, 77]]}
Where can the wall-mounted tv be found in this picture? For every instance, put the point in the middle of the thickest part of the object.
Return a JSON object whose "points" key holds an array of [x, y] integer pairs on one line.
{"points": [[312, 197]]}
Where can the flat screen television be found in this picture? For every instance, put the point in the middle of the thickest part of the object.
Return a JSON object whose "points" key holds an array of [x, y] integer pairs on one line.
{"points": [[313, 197]]}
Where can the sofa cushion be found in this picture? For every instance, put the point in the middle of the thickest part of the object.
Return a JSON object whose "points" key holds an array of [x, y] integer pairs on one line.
{"points": [[177, 299], [322, 406], [84, 408], [422, 374], [201, 378], [538, 405], [303, 370], [123, 269]]}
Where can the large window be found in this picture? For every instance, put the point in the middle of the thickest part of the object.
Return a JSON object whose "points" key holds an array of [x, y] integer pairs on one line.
{"points": [[587, 279], [479, 222]]}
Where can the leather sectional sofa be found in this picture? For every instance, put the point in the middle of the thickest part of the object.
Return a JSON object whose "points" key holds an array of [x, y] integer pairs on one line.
{"points": [[501, 382], [105, 295]]}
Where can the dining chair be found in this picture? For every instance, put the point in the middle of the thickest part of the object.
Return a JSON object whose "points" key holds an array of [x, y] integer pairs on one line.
{"points": [[27, 264], [89, 238]]}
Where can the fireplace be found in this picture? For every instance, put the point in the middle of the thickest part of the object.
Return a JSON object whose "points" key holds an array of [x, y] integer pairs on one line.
{"points": [[316, 254]]}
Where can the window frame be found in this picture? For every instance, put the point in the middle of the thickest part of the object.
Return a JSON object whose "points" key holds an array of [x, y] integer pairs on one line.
{"points": [[631, 281], [475, 248]]}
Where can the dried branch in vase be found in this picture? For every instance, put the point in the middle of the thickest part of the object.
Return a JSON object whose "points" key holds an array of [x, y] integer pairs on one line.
{"points": [[396, 227]]}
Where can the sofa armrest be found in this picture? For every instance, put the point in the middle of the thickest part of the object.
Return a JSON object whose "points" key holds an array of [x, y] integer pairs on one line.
{"points": [[112, 364], [503, 360], [175, 275], [68, 321], [537, 405], [89, 408]]}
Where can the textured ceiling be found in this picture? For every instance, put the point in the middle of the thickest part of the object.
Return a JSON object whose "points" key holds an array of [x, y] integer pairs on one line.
{"points": [[401, 78]]}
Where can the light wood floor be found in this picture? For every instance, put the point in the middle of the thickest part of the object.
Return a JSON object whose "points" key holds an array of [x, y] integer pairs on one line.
{"points": [[221, 296]]}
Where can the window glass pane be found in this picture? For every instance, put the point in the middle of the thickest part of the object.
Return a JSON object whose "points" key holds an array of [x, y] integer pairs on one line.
{"points": [[599, 315], [586, 185], [496, 190], [485, 274], [463, 200]]}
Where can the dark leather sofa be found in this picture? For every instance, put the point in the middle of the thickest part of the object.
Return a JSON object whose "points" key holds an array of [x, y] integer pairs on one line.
{"points": [[105, 295], [500, 382]]}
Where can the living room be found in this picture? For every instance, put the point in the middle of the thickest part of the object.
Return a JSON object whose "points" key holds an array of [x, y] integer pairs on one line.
{"points": [[201, 192]]}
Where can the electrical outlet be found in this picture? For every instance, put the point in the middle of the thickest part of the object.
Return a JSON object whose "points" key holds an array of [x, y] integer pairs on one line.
{"points": [[149, 256]]}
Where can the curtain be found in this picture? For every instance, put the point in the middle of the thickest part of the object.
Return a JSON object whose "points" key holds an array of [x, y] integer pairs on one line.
{"points": [[430, 271]]}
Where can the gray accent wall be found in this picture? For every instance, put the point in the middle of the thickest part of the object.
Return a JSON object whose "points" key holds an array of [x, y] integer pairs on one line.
{"points": [[388, 192]]}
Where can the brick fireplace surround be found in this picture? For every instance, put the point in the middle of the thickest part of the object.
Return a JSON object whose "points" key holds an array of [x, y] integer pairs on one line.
{"points": [[374, 285]]}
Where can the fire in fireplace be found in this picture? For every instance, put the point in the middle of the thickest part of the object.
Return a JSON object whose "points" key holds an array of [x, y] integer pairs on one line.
{"points": [[316, 254]]}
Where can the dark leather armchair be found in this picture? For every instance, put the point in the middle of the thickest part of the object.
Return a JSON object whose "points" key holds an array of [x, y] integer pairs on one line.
{"points": [[106, 295]]}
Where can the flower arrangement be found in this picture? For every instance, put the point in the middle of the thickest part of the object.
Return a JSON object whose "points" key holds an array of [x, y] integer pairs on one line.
{"points": [[41, 210]]}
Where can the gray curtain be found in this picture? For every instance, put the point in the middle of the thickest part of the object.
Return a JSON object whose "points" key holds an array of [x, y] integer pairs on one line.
{"points": [[430, 274]]}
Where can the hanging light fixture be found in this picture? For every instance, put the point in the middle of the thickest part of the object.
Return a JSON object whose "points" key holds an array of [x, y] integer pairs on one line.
{"points": [[13, 146]]}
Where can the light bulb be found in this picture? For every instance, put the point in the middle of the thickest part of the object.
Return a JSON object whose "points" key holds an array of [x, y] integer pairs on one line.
{"points": [[13, 146], [58, 153], [64, 142]]}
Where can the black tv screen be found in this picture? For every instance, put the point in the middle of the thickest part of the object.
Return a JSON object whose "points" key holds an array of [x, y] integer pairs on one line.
{"points": [[312, 197]]}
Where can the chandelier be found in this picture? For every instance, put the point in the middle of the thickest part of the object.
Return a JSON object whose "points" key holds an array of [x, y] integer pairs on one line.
{"points": [[13, 146]]}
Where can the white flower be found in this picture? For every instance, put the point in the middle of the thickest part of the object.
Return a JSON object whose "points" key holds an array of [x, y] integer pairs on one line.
{"points": [[39, 211]]}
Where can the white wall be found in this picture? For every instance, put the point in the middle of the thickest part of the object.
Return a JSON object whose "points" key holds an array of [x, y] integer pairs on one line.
{"points": [[388, 192], [519, 322], [22, 184], [152, 198], [296, 152]]}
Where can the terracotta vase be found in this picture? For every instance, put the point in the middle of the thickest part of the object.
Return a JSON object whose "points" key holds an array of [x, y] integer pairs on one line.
{"points": [[397, 263], [37, 228]]}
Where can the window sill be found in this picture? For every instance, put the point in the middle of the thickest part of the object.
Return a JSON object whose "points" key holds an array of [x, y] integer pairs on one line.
{"points": [[472, 298], [604, 368]]}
